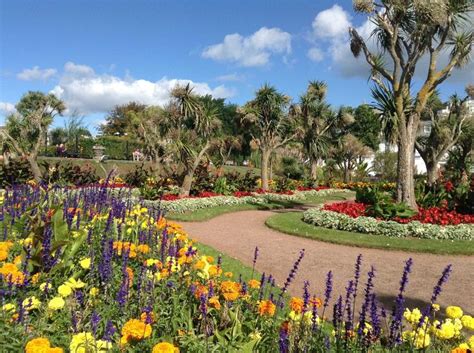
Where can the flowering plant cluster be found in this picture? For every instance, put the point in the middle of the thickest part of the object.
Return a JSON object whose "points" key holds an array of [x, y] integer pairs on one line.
{"points": [[384, 186], [432, 215], [322, 217], [86, 271]]}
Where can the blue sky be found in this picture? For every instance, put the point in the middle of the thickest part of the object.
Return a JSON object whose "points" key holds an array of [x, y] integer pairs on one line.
{"points": [[95, 54]]}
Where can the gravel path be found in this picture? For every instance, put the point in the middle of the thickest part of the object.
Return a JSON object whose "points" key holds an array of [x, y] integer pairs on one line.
{"points": [[237, 234]]}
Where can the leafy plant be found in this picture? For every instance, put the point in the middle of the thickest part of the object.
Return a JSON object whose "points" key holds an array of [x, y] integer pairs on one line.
{"points": [[17, 171], [138, 176]]}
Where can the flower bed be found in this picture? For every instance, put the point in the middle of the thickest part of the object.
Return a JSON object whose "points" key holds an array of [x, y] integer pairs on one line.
{"points": [[186, 204], [321, 217], [432, 215], [90, 272]]}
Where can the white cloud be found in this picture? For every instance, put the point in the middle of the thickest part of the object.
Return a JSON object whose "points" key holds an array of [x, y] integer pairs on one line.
{"points": [[230, 77], [315, 54], [87, 92], [36, 73], [254, 50], [7, 108], [331, 23]]}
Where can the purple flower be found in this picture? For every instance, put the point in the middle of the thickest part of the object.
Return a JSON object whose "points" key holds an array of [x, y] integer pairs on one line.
{"points": [[328, 291], [367, 297], [95, 319], [290, 278], [109, 331]]}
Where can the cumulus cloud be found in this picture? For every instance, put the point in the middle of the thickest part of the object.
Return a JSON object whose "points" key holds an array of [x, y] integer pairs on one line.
{"points": [[254, 50], [331, 23], [7, 108], [87, 92], [36, 73], [315, 54]]}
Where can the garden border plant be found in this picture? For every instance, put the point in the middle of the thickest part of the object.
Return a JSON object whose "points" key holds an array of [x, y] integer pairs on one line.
{"points": [[333, 220]]}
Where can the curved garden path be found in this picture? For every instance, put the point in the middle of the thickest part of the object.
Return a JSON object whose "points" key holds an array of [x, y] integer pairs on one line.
{"points": [[237, 234]]}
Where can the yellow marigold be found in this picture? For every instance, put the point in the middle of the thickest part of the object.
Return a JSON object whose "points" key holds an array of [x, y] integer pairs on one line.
{"points": [[56, 303], [3, 254], [446, 331], [412, 316], [460, 349], [10, 272], [143, 248], [75, 284], [83, 342], [64, 290], [135, 330], [454, 312], [468, 322], [94, 291], [230, 290], [315, 301], [199, 265], [31, 303], [85, 263], [130, 276], [253, 283], [38, 345], [56, 350], [165, 347], [9, 307], [296, 304], [266, 308], [228, 274], [210, 259]]}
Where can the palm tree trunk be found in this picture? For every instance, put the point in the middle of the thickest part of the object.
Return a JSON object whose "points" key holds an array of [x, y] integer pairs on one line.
{"points": [[405, 177], [35, 169], [314, 170], [265, 157]]}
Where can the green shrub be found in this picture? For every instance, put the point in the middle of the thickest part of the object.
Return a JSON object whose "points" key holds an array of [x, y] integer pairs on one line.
{"points": [[17, 171]]}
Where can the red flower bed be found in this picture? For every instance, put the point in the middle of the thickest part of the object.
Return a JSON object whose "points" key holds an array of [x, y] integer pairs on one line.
{"points": [[350, 208], [170, 197], [207, 194], [287, 192], [433, 215], [308, 188], [242, 193]]}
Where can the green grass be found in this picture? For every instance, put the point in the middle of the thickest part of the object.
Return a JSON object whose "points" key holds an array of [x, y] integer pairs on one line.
{"points": [[292, 223], [229, 264]]}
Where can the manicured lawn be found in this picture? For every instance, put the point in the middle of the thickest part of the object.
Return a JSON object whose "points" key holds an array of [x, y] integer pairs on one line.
{"points": [[292, 223]]}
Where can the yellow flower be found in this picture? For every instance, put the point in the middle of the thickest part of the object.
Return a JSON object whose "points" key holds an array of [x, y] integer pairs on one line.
{"points": [[435, 307], [85, 263], [422, 340], [9, 307], [94, 291], [468, 322], [38, 345], [413, 316], [446, 331], [56, 303], [253, 283], [45, 286], [64, 290], [84, 342], [31, 303], [230, 290], [454, 312], [165, 347], [74, 284]]}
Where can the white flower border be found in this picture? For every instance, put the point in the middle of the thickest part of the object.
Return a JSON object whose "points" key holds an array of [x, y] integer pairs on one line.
{"points": [[334, 220], [192, 204]]}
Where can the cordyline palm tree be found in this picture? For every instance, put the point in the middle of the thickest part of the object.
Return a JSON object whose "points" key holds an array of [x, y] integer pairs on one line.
{"points": [[446, 130], [195, 125], [406, 31], [316, 118], [271, 125]]}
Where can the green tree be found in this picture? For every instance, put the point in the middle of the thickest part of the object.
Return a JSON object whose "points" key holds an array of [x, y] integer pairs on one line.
{"points": [[271, 125], [119, 120], [367, 126], [317, 118], [405, 32], [26, 130], [446, 129]]}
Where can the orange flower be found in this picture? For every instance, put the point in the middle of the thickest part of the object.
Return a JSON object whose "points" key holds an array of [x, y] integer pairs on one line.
{"points": [[210, 259], [41, 345], [135, 330], [10, 272], [35, 278], [266, 308], [214, 302], [253, 283], [130, 276], [228, 274], [200, 290], [215, 271], [459, 350], [296, 304], [199, 265], [314, 301], [230, 290]]}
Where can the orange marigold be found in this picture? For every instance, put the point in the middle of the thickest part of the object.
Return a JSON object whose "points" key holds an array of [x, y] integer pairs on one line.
{"points": [[296, 304], [135, 330], [38, 345], [230, 290], [253, 283], [165, 347], [143, 317], [214, 302], [315, 301], [266, 308], [215, 271]]}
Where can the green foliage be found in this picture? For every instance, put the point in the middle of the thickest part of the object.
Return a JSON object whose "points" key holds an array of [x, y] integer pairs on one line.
{"points": [[119, 119], [138, 176], [222, 187], [385, 165], [367, 126], [69, 174], [117, 147], [381, 204], [17, 171], [291, 168]]}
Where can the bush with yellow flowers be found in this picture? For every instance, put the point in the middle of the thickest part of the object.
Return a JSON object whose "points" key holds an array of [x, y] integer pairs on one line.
{"points": [[89, 271]]}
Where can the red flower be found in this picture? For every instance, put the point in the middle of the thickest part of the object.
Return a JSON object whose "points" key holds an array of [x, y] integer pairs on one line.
{"points": [[448, 186]]}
